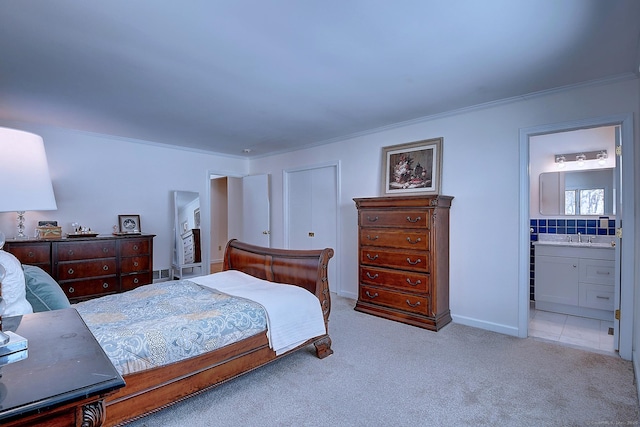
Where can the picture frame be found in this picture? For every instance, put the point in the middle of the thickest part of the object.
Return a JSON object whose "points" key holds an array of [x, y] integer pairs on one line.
{"points": [[196, 218], [129, 224], [414, 167]]}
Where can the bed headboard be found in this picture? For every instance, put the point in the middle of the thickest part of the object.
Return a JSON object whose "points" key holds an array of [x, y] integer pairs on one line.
{"points": [[304, 268]]}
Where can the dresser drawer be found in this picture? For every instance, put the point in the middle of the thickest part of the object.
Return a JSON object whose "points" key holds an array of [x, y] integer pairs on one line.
{"points": [[401, 239], [132, 247], [401, 301], [86, 250], [397, 218], [90, 287], [406, 280], [132, 281], [134, 264], [417, 261], [85, 269], [32, 253]]}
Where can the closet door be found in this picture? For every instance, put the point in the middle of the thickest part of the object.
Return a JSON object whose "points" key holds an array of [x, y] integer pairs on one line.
{"points": [[311, 210]]}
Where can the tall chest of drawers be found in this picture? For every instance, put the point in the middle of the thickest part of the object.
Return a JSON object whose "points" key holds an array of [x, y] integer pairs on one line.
{"points": [[403, 252], [90, 267]]}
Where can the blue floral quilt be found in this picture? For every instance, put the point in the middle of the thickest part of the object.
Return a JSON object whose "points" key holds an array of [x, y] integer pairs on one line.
{"points": [[161, 323]]}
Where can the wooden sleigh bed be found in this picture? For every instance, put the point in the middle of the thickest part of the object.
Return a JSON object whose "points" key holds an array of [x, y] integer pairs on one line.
{"points": [[154, 389]]}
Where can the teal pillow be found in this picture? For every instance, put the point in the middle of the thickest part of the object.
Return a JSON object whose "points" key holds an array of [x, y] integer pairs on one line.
{"points": [[43, 292]]}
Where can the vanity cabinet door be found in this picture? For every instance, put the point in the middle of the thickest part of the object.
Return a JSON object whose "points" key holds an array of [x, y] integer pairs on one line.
{"points": [[557, 279]]}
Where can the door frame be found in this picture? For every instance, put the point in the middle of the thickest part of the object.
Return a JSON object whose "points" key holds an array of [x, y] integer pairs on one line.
{"points": [[625, 121], [336, 165]]}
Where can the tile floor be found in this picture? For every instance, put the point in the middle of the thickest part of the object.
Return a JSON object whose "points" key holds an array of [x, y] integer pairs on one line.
{"points": [[575, 331]]}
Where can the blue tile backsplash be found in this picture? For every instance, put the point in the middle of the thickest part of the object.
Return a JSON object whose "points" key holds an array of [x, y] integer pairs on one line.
{"points": [[589, 227]]}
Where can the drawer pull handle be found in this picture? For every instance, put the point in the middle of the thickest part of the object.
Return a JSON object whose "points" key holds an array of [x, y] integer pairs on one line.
{"points": [[374, 219], [413, 220], [135, 263], [418, 261], [105, 267], [418, 240], [604, 273], [105, 250], [412, 283], [71, 290], [372, 296], [413, 305], [372, 258], [135, 247], [601, 297], [31, 255], [373, 238], [375, 276], [135, 280], [70, 271], [105, 285], [70, 252]]}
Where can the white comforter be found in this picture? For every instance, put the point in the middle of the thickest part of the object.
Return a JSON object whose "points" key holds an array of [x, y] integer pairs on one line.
{"points": [[294, 314]]}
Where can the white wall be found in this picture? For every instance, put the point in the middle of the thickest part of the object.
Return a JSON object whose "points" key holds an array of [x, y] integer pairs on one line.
{"points": [[96, 178], [480, 169]]}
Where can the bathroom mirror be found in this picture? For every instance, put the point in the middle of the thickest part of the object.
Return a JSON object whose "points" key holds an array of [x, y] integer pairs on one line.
{"points": [[578, 193], [187, 247]]}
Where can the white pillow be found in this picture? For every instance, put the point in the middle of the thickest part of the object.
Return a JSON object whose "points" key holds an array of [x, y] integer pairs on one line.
{"points": [[13, 286]]}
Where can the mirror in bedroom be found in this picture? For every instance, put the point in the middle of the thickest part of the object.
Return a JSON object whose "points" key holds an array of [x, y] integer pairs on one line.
{"points": [[187, 252]]}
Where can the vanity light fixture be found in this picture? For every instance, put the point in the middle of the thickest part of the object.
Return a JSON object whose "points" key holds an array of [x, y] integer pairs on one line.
{"points": [[602, 157], [580, 158]]}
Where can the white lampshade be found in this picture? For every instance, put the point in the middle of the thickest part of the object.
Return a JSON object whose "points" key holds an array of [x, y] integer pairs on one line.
{"points": [[24, 173]]}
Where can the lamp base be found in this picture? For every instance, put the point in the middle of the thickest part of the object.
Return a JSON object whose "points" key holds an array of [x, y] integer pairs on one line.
{"points": [[13, 350]]}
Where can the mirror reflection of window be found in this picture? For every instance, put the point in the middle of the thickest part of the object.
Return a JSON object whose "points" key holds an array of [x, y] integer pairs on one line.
{"points": [[584, 202], [570, 202]]}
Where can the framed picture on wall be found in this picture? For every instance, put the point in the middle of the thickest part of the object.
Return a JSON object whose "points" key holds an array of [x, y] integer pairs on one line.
{"points": [[415, 167], [196, 218], [129, 223]]}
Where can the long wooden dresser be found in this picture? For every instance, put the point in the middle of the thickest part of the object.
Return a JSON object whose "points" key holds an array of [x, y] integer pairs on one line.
{"points": [[404, 259], [89, 267]]}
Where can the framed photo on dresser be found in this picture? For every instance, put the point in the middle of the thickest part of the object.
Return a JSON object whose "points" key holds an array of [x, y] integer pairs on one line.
{"points": [[129, 224], [415, 167]]}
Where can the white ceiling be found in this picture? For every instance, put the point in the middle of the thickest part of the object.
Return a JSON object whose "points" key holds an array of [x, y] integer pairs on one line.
{"points": [[272, 76]]}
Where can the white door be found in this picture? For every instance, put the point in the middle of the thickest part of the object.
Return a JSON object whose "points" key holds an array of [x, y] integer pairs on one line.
{"points": [[618, 258], [256, 228], [311, 212]]}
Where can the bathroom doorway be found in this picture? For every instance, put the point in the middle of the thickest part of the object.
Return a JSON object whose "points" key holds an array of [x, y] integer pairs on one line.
{"points": [[624, 259]]}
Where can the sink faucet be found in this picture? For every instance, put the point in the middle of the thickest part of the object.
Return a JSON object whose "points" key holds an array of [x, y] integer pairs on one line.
{"points": [[579, 237]]}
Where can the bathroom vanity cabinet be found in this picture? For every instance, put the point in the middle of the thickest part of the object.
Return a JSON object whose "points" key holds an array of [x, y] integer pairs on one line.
{"points": [[576, 280]]}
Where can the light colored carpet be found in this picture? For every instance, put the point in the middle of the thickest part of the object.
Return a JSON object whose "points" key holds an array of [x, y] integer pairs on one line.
{"points": [[384, 373]]}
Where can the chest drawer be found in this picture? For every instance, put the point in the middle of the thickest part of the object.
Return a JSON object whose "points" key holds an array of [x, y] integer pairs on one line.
{"points": [[32, 253], [79, 289], [86, 269], [597, 271], [134, 264], [409, 281], [86, 250], [401, 301], [132, 247], [401, 239], [404, 219], [417, 261], [132, 281]]}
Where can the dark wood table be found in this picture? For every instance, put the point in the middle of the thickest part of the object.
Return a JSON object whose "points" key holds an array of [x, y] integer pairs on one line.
{"points": [[65, 377]]}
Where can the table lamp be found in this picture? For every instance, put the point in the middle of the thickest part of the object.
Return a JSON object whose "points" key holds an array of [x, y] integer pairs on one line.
{"points": [[24, 173]]}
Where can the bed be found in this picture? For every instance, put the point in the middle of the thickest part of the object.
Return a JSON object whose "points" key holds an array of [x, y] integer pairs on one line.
{"points": [[151, 388]]}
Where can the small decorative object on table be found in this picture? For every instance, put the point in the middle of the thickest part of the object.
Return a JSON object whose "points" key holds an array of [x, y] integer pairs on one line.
{"points": [[80, 231], [129, 224], [48, 230]]}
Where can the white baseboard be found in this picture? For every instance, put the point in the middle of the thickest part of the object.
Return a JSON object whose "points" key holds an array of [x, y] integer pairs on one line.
{"points": [[489, 326]]}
